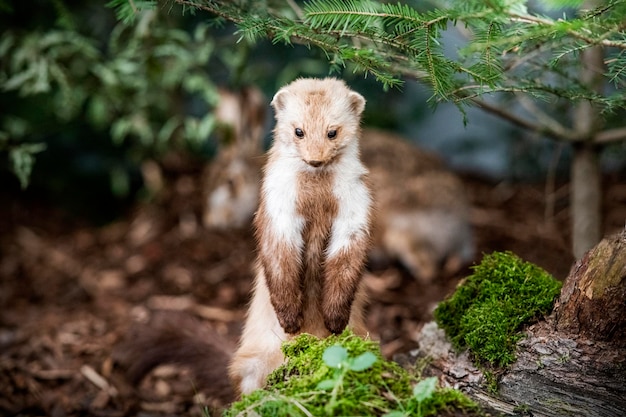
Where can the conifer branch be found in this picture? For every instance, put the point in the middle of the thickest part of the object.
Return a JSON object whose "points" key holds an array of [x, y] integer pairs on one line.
{"points": [[508, 51], [214, 8], [601, 40]]}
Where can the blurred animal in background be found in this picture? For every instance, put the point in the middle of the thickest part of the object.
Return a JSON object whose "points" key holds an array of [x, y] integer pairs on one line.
{"points": [[422, 212], [176, 337], [231, 180]]}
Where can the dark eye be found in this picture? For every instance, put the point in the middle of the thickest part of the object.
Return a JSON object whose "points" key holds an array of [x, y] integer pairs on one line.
{"points": [[231, 185], [299, 132], [331, 134]]}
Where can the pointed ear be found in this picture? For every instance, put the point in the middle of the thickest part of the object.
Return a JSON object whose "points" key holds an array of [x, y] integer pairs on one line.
{"points": [[279, 100], [357, 102]]}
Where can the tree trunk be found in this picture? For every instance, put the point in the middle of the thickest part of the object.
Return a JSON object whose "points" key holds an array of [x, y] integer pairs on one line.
{"points": [[593, 298], [571, 364], [585, 199], [585, 171]]}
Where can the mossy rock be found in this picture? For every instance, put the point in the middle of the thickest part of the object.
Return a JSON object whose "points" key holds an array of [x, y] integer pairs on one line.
{"points": [[489, 309], [307, 386]]}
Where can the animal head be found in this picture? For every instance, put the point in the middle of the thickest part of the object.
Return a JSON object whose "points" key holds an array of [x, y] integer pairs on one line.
{"points": [[232, 191], [240, 117], [231, 181], [317, 118]]}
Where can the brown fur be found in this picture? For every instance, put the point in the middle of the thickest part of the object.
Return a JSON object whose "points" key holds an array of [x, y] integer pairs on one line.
{"points": [[177, 337], [303, 289], [289, 273], [435, 237]]}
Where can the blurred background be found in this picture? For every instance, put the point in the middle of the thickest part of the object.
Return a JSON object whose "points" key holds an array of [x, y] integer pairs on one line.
{"points": [[86, 99], [108, 131]]}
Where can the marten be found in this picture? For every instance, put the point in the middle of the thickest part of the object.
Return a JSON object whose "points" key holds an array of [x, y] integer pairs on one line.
{"points": [[312, 227]]}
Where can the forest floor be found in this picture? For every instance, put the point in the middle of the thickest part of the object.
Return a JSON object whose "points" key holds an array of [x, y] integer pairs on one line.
{"points": [[69, 291]]}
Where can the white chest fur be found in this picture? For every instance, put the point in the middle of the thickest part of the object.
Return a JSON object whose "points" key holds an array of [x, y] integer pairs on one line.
{"points": [[281, 186]]}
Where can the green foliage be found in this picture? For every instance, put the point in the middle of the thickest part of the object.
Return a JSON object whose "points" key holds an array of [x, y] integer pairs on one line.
{"points": [[134, 89], [506, 42], [345, 375], [487, 312], [127, 11], [22, 160]]}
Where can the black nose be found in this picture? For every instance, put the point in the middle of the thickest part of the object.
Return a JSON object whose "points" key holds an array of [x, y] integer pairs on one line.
{"points": [[315, 163]]}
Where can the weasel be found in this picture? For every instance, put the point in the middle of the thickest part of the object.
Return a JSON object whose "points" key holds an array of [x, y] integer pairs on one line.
{"points": [[312, 227]]}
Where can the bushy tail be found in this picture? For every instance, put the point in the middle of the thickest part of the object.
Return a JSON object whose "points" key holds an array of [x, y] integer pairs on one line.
{"points": [[178, 338]]}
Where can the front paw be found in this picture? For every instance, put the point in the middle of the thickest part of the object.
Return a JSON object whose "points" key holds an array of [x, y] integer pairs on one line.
{"points": [[337, 322], [290, 321]]}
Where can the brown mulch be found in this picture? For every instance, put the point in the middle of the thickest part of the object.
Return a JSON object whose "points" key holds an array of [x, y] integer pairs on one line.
{"points": [[69, 291]]}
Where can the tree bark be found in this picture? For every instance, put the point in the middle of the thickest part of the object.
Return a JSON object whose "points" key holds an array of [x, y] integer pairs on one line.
{"points": [[585, 199], [593, 299], [573, 363]]}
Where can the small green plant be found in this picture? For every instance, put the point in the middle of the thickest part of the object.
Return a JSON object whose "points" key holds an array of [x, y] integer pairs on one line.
{"points": [[337, 357], [487, 312], [422, 391], [522, 409], [346, 375]]}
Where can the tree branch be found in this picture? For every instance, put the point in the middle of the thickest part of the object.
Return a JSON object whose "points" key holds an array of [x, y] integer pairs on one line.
{"points": [[610, 135], [544, 118], [548, 22], [215, 10], [296, 9], [516, 120]]}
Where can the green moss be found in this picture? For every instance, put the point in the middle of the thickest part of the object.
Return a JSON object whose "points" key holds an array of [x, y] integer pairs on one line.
{"points": [[307, 385], [445, 402], [491, 382], [487, 312]]}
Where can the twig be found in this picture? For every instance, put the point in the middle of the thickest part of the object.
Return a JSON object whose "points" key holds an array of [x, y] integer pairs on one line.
{"points": [[215, 313], [516, 120], [543, 117], [214, 10], [610, 135], [98, 380], [297, 10], [547, 22], [549, 190]]}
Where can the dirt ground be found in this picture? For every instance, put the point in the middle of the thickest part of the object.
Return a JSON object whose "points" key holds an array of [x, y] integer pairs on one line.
{"points": [[69, 291]]}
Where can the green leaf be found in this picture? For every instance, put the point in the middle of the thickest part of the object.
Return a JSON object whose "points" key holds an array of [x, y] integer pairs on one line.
{"points": [[206, 127], [395, 413], [362, 362], [18, 80], [425, 389], [98, 111], [127, 11], [120, 181], [22, 160], [119, 130], [105, 74], [335, 356], [558, 4], [167, 130], [326, 384]]}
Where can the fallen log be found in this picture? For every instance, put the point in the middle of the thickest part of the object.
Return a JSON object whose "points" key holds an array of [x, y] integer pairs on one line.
{"points": [[572, 363]]}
